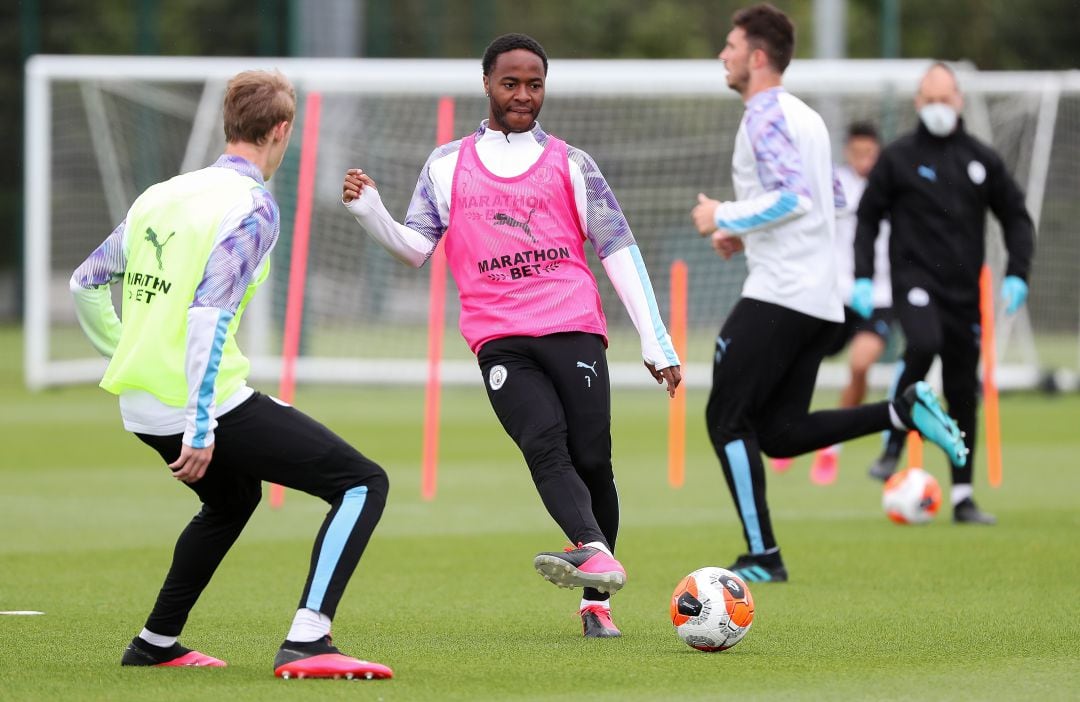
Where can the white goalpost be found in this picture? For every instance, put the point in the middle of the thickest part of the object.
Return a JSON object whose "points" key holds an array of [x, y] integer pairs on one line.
{"points": [[101, 129]]}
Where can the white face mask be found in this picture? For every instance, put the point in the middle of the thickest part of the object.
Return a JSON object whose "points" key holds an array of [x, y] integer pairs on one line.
{"points": [[939, 118]]}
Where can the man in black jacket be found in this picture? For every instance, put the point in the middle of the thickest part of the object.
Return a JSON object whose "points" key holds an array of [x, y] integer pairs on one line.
{"points": [[935, 186]]}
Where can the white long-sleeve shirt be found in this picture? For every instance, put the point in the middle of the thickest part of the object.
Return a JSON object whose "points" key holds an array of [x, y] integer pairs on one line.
{"points": [[509, 155], [785, 203], [846, 219]]}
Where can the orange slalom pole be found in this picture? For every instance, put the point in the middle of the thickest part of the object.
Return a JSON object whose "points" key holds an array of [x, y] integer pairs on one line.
{"points": [[677, 408], [915, 450], [990, 390], [294, 305], [444, 132]]}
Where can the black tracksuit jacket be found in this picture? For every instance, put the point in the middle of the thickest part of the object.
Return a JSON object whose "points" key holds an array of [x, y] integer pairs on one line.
{"points": [[935, 191]]}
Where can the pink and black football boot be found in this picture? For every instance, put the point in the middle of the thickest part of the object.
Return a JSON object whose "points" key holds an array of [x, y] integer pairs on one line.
{"points": [[583, 566], [596, 622], [142, 653], [321, 659]]}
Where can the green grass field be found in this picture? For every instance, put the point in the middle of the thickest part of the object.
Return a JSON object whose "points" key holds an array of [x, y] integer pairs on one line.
{"points": [[447, 596]]}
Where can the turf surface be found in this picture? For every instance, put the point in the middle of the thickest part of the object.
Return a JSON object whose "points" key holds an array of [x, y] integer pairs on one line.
{"points": [[446, 594]]}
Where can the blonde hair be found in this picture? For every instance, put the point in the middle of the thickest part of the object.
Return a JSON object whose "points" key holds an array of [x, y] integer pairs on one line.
{"points": [[255, 103]]}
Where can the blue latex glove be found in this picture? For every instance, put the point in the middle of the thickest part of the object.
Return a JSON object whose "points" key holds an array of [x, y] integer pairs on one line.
{"points": [[1014, 292], [862, 297]]}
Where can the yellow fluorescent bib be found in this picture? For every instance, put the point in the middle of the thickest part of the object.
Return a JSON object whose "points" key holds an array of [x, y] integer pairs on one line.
{"points": [[171, 230]]}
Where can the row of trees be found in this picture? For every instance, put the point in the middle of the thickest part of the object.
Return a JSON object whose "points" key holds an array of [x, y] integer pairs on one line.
{"points": [[993, 34]]}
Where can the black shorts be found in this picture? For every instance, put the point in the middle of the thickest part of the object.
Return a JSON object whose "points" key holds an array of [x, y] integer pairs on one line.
{"points": [[879, 324]]}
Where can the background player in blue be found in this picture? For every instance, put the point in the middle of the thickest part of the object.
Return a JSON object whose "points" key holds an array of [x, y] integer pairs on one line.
{"points": [[182, 383], [769, 348], [935, 186]]}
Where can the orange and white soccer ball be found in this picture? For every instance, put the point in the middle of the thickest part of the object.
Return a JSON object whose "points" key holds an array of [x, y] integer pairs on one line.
{"points": [[911, 496], [712, 609]]}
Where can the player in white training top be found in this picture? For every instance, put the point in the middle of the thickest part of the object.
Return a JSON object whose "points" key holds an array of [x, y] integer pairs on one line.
{"points": [[769, 348]]}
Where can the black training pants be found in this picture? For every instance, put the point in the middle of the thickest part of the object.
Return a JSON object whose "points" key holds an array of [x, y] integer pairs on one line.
{"points": [[764, 370], [259, 440], [553, 396], [934, 328]]}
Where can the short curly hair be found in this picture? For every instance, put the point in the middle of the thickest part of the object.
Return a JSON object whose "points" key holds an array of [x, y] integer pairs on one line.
{"points": [[510, 42], [769, 29]]}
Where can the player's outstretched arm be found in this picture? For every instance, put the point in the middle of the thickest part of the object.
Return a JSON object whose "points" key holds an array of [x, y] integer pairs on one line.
{"points": [[360, 196]]}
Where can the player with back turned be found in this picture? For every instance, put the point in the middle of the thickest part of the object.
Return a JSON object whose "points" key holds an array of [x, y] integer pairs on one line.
{"points": [[769, 348], [936, 185], [515, 206], [190, 254]]}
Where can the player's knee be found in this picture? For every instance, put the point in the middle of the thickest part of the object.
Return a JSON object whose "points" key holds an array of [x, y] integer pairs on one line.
{"points": [[236, 506], [723, 427], [377, 484], [381, 481], [922, 349], [724, 435], [545, 452], [595, 470], [774, 446], [720, 420], [250, 501]]}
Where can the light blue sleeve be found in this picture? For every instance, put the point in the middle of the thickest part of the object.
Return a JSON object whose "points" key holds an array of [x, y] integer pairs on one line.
{"points": [[779, 168]]}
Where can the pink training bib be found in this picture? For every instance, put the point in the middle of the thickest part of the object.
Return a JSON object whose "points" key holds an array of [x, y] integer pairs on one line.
{"points": [[515, 247]]}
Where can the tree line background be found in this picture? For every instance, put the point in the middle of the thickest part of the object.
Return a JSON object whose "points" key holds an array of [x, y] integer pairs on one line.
{"points": [[992, 34]]}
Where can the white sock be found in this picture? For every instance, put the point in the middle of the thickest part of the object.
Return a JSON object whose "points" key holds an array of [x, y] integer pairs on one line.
{"points": [[308, 625], [895, 419], [834, 449], [600, 547], [157, 639], [960, 493], [606, 604]]}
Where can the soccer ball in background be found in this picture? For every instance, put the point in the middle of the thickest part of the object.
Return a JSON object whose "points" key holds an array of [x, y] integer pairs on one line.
{"points": [[911, 496], [712, 609]]}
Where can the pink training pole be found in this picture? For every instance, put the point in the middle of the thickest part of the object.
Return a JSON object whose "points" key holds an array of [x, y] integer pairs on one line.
{"points": [[677, 406], [294, 305], [444, 132]]}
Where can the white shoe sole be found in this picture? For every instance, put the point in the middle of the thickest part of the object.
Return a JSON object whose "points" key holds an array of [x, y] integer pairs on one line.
{"points": [[556, 570]]}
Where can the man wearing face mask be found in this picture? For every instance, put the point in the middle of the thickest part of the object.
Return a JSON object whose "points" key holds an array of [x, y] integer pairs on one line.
{"points": [[935, 186]]}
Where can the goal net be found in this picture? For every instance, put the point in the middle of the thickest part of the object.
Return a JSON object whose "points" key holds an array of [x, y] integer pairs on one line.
{"points": [[101, 129]]}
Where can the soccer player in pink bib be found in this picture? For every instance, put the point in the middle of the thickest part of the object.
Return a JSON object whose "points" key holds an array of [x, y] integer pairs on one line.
{"points": [[516, 206]]}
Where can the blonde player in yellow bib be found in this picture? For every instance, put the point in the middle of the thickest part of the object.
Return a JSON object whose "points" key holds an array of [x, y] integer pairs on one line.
{"points": [[189, 256]]}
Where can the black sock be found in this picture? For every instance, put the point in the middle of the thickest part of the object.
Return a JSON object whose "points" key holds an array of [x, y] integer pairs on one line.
{"points": [[771, 560], [158, 654], [323, 645], [592, 594]]}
